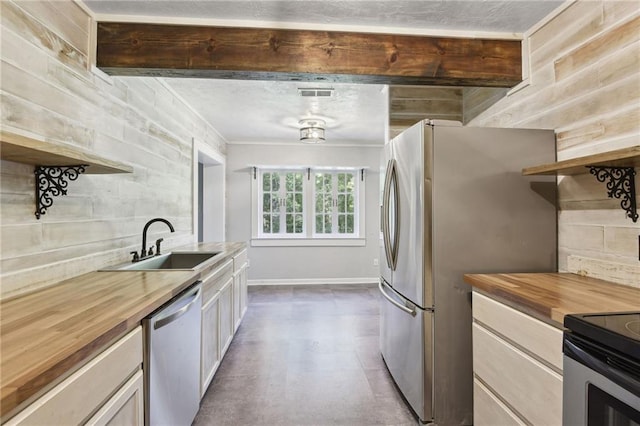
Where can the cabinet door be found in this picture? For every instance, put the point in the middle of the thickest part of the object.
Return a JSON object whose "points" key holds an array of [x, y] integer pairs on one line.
{"points": [[210, 346], [125, 408], [237, 295], [243, 291], [226, 316]]}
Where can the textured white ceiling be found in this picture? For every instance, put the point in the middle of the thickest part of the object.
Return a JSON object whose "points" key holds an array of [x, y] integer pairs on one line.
{"points": [[475, 15], [269, 111], [255, 111]]}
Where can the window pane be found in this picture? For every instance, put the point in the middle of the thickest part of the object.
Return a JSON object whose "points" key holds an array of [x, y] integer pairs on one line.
{"points": [[350, 182], [319, 181], [319, 203], [319, 224], [351, 205], [341, 224], [299, 182], [327, 183], [328, 203], [350, 224], [298, 203], [298, 224], [266, 202], [275, 223], [289, 220], [327, 224], [289, 203], [289, 179], [266, 180], [266, 223], [275, 182], [341, 203], [275, 204], [341, 182]]}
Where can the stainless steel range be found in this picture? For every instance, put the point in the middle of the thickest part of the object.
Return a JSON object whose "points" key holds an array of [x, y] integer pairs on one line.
{"points": [[602, 370]]}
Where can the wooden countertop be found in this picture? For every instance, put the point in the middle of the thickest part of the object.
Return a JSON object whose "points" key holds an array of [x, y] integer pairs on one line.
{"points": [[551, 296], [48, 334]]}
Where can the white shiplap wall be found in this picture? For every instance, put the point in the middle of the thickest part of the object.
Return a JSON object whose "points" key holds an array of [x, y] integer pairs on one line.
{"points": [[48, 90], [585, 84]]}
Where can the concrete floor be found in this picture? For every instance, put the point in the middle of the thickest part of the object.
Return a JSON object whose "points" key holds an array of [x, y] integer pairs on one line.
{"points": [[306, 355]]}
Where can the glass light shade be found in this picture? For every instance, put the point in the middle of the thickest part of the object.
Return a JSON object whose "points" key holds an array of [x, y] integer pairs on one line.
{"points": [[312, 131]]}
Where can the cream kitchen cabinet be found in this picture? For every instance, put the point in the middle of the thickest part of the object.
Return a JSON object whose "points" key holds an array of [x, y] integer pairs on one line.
{"points": [[224, 303], [517, 366], [108, 390], [240, 265], [226, 316], [217, 321]]}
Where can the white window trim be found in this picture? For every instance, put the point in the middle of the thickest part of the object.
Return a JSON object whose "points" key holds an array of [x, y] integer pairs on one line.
{"points": [[307, 239]]}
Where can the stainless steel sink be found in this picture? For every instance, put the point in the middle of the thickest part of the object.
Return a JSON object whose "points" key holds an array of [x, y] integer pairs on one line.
{"points": [[173, 260]]}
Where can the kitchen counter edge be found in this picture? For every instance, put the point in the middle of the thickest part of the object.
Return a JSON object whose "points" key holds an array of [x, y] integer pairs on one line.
{"points": [[550, 296], [30, 380]]}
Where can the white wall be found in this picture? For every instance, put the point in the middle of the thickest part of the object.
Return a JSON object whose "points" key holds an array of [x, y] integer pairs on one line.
{"points": [[303, 264]]}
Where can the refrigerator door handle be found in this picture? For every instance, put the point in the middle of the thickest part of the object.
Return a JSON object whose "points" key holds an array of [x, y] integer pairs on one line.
{"points": [[393, 180], [391, 248], [385, 215], [410, 311]]}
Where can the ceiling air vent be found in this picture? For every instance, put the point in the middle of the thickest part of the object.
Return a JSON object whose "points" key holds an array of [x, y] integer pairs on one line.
{"points": [[315, 93]]}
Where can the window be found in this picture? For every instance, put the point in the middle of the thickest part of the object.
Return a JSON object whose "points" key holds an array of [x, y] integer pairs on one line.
{"points": [[321, 205], [335, 203], [282, 203]]}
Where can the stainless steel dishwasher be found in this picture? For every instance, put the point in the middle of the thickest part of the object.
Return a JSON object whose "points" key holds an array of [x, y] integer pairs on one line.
{"points": [[172, 360]]}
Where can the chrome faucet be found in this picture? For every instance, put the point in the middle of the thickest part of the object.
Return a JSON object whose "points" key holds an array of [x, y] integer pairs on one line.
{"points": [[143, 252]]}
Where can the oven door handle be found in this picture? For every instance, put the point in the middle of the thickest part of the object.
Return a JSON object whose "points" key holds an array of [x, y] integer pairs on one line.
{"points": [[574, 351]]}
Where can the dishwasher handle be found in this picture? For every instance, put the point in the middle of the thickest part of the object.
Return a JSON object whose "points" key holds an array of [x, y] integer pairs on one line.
{"points": [[170, 317]]}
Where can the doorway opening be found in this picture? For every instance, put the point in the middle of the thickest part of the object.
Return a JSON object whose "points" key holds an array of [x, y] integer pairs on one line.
{"points": [[209, 199]]}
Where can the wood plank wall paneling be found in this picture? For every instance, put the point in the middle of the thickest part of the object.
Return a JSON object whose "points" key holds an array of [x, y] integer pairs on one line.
{"points": [[477, 99], [47, 90], [585, 84], [410, 104], [64, 18]]}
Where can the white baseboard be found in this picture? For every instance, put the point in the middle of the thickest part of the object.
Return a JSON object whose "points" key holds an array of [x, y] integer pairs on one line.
{"points": [[314, 281]]}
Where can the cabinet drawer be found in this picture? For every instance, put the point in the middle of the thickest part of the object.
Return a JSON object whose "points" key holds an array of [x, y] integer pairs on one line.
{"points": [[488, 410], [531, 388], [534, 336], [213, 282], [239, 260], [86, 390], [125, 407]]}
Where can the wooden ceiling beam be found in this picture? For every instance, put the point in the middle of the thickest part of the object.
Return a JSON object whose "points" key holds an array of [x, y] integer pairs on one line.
{"points": [[277, 54]]}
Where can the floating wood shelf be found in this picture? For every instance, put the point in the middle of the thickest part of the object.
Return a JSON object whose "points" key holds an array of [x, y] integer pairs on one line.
{"points": [[626, 157], [615, 168], [55, 165], [22, 149]]}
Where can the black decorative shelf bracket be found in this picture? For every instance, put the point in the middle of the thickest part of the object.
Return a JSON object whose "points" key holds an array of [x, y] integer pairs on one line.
{"points": [[620, 185], [52, 181]]}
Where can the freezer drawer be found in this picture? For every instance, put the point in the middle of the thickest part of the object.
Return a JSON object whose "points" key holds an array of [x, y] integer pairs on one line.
{"points": [[405, 344]]}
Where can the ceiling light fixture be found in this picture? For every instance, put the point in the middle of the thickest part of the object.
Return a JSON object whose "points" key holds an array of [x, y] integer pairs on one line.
{"points": [[312, 130]]}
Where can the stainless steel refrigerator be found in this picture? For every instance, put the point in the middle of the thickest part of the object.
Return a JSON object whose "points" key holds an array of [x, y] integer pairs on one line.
{"points": [[454, 201]]}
